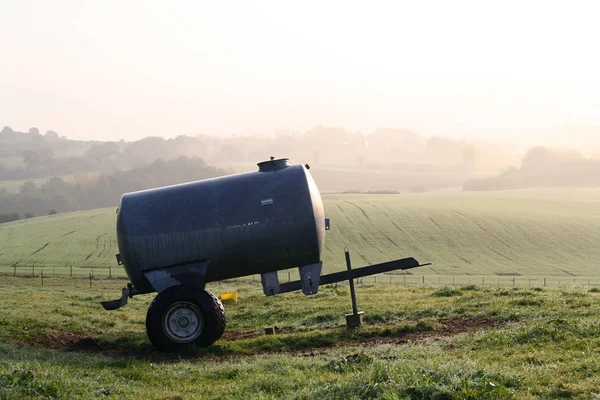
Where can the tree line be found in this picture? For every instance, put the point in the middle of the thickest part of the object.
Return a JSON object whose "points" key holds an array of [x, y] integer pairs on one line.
{"points": [[544, 168], [57, 195]]}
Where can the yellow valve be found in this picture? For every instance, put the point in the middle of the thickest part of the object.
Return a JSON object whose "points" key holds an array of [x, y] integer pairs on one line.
{"points": [[229, 297]]}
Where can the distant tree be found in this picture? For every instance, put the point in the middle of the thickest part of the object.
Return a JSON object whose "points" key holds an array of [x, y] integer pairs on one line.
{"points": [[51, 135], [100, 153], [34, 131], [6, 131], [52, 212], [40, 158], [9, 217], [28, 215], [28, 188]]}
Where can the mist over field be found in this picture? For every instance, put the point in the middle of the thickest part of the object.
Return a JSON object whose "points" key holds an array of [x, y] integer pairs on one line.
{"points": [[47, 172]]}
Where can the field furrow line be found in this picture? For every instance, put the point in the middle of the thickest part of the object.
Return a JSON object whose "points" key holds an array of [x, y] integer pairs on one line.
{"points": [[436, 224], [363, 211], [40, 249], [502, 255]]}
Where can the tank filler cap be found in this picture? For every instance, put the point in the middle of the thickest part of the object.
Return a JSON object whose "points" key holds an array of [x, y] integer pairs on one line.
{"points": [[273, 164]]}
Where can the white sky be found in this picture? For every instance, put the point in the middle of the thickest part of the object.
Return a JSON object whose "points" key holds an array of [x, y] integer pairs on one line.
{"points": [[129, 69]]}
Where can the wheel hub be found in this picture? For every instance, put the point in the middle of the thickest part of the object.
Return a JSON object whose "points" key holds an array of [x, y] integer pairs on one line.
{"points": [[183, 322]]}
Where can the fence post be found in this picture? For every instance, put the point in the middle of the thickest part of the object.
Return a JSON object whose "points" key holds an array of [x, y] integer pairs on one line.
{"points": [[513, 281], [110, 271], [544, 281], [423, 279], [33, 270], [391, 281], [498, 283], [71, 268], [374, 279], [483, 281], [289, 276], [15, 270], [90, 279], [404, 280], [42, 276]]}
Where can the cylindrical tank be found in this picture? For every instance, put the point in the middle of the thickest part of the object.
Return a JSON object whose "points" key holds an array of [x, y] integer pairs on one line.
{"points": [[243, 224]]}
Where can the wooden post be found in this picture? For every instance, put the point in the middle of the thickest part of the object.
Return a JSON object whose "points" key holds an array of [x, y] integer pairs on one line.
{"points": [[423, 279], [90, 279], [391, 280], [15, 270], [71, 268], [289, 276], [483, 281], [513, 281], [110, 271], [33, 270], [544, 281], [42, 276]]}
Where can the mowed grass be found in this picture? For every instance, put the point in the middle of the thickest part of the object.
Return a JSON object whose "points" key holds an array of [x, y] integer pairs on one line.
{"points": [[535, 233], [418, 343]]}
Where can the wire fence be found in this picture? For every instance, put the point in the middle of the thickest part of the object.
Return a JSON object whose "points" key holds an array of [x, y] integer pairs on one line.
{"points": [[108, 272]]}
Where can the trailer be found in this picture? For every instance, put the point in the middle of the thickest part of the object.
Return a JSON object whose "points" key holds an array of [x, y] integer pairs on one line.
{"points": [[174, 240]]}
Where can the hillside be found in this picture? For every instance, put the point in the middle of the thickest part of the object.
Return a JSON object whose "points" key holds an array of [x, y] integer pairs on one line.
{"points": [[510, 233]]}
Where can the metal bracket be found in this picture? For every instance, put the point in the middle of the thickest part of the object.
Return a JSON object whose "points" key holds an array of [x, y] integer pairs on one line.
{"points": [[114, 304], [126, 292], [309, 278], [188, 274], [270, 283]]}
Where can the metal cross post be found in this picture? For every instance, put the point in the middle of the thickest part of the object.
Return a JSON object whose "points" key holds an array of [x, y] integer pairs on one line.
{"points": [[354, 320]]}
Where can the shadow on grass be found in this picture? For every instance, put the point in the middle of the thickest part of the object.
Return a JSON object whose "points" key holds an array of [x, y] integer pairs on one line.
{"points": [[288, 340]]}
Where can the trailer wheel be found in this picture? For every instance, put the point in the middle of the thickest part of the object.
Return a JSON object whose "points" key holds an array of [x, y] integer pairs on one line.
{"points": [[183, 316]]}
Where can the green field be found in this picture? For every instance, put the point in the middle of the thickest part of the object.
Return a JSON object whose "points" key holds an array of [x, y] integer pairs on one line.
{"points": [[498, 235], [418, 343], [429, 341]]}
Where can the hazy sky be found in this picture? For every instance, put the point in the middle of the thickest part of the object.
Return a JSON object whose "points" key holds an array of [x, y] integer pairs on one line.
{"points": [[128, 69]]}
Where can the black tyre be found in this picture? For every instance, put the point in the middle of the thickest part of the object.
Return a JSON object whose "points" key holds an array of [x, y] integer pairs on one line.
{"points": [[183, 316]]}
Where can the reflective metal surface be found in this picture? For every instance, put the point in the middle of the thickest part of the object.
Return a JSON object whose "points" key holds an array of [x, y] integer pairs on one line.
{"points": [[234, 226]]}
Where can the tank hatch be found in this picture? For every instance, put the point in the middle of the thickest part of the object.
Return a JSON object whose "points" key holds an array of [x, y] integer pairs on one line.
{"points": [[273, 164]]}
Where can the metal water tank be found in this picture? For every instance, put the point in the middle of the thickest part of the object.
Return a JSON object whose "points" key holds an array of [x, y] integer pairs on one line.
{"points": [[237, 225]]}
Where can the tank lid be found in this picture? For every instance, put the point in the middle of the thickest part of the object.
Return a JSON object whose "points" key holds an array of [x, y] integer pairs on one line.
{"points": [[273, 164]]}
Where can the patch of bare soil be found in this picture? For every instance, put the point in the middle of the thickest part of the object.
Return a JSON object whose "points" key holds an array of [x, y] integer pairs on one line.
{"points": [[83, 343]]}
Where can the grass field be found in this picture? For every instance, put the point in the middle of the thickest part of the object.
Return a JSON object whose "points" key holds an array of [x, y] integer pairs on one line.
{"points": [[498, 235], [418, 343]]}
